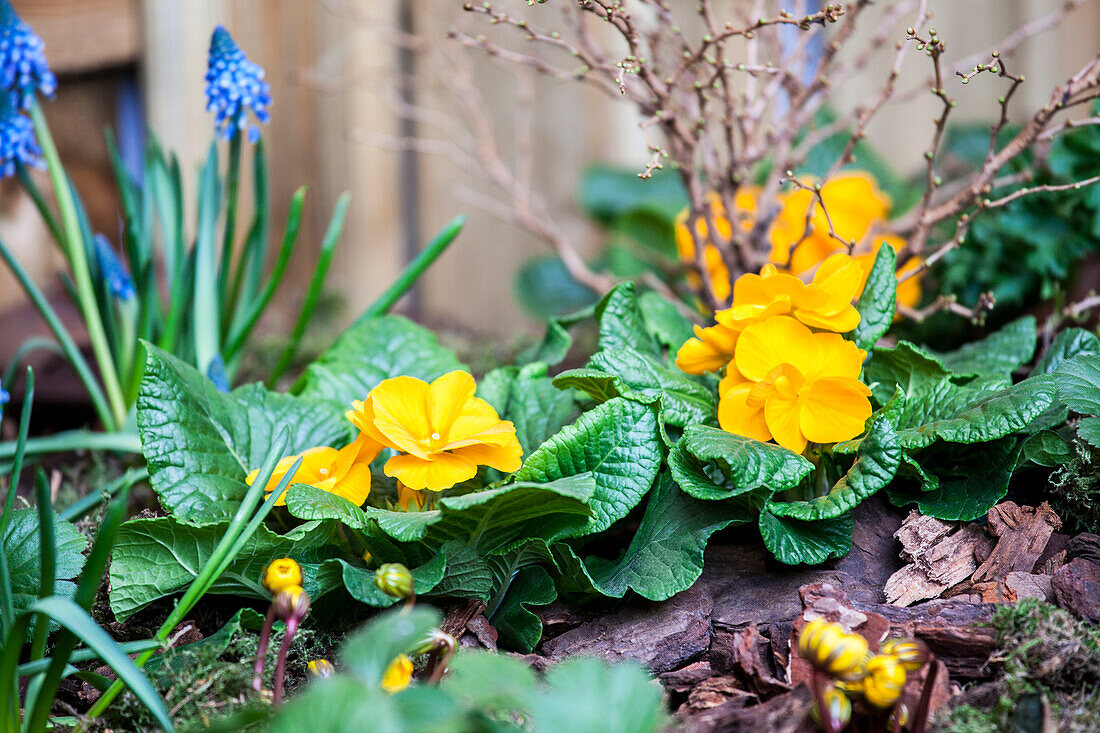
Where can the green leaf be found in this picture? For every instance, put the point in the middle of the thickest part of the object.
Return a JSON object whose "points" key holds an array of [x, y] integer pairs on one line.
{"points": [[589, 695], [218, 642], [359, 582], [1047, 448], [879, 299], [1078, 382], [1002, 352], [484, 679], [557, 340], [971, 480], [1066, 345], [961, 419], [665, 555], [622, 325], [468, 574], [607, 193], [665, 321], [618, 443], [519, 628], [374, 350], [22, 547], [796, 542], [155, 558], [709, 463], [1088, 430], [684, 400], [367, 653], [200, 443], [596, 383], [906, 367], [545, 288], [528, 397], [878, 455]]}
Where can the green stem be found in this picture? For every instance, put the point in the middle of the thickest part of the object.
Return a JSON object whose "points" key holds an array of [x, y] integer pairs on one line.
{"points": [[232, 186], [71, 440], [79, 263], [72, 353], [40, 203]]}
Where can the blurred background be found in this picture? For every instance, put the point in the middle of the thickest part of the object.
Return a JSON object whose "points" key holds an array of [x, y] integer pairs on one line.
{"points": [[354, 82]]}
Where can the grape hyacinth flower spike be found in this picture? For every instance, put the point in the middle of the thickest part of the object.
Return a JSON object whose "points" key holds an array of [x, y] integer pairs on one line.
{"points": [[23, 66], [235, 86], [112, 269], [17, 141], [4, 399]]}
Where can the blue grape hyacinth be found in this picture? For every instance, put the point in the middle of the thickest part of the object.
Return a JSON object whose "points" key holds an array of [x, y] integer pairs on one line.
{"points": [[4, 399], [234, 87], [112, 270], [17, 141], [23, 66]]}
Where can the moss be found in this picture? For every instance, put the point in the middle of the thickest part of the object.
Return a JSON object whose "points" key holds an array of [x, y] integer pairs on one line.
{"points": [[1075, 490], [1050, 667]]}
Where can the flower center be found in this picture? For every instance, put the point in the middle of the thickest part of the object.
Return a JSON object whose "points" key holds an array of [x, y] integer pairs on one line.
{"points": [[784, 380]]}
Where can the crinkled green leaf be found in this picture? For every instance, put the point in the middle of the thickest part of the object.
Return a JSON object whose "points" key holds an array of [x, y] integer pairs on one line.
{"points": [[518, 627], [1046, 448], [1088, 430], [709, 463], [557, 340], [878, 301], [528, 397], [596, 383], [22, 547], [878, 455], [684, 400], [489, 521], [486, 680], [359, 581], [905, 367], [1066, 345], [200, 443], [796, 542], [468, 574], [1002, 352], [369, 651], [621, 323], [544, 287], [1078, 382], [665, 556], [374, 350], [154, 558], [618, 443], [664, 321], [971, 480], [991, 416]]}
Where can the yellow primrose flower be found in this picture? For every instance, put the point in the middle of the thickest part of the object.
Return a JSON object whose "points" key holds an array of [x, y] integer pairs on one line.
{"points": [[398, 675], [709, 351], [282, 573], [794, 386], [829, 648], [344, 472], [745, 200], [911, 653], [319, 668], [443, 430], [838, 709], [884, 682]]}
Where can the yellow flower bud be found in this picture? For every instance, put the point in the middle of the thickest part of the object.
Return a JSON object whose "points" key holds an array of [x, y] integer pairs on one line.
{"points": [[397, 675], [282, 573], [394, 579], [291, 603], [320, 668], [899, 718], [884, 681], [830, 649], [911, 653], [367, 557], [838, 709]]}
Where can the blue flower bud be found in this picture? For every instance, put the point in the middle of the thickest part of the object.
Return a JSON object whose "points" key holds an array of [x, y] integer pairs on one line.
{"points": [[4, 399], [112, 269], [17, 141], [234, 87], [23, 65], [216, 374]]}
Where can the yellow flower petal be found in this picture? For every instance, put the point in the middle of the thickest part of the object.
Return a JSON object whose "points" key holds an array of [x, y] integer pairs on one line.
{"points": [[361, 416], [397, 674], [836, 357], [832, 409], [709, 351], [507, 457], [447, 398], [843, 322], [766, 344], [782, 417], [441, 471], [401, 414], [736, 416]]}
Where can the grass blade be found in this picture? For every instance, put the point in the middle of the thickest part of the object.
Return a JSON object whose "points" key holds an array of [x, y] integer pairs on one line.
{"points": [[76, 619], [87, 655], [243, 326], [205, 313], [309, 303], [229, 235], [7, 593], [253, 258]]}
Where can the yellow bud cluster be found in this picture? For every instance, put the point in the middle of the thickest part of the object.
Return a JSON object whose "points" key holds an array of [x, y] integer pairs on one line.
{"points": [[282, 573], [829, 648]]}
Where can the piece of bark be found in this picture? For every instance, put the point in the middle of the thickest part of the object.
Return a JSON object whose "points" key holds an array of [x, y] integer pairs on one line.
{"points": [[660, 636], [749, 664], [1029, 585], [989, 591], [1077, 588], [716, 691], [821, 600], [483, 631], [787, 713], [1084, 545], [454, 623], [873, 557], [1022, 535], [942, 555], [684, 679]]}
